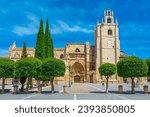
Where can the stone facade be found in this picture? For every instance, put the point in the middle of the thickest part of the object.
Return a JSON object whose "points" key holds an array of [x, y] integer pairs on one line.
{"points": [[83, 60]]}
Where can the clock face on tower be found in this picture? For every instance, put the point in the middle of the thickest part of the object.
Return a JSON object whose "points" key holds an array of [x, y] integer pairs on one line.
{"points": [[109, 43]]}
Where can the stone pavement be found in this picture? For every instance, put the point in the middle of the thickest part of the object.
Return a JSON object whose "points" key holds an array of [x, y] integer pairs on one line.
{"points": [[80, 88], [81, 91]]}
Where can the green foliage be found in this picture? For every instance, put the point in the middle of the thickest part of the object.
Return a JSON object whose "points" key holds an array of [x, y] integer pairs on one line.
{"points": [[148, 63], [132, 67], [27, 67], [6, 68], [24, 51], [40, 76], [24, 55], [40, 47], [48, 42], [51, 47], [52, 67], [107, 69]]}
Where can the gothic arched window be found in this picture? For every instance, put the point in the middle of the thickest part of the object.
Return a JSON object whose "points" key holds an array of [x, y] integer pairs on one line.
{"points": [[77, 50], [16, 54], [109, 32], [108, 20], [61, 56]]}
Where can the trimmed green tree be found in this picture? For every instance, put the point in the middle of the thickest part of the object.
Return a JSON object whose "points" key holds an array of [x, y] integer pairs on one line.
{"points": [[40, 46], [148, 63], [52, 68], [47, 38], [132, 67], [40, 78], [48, 44], [28, 68], [107, 70], [6, 70], [24, 55]]}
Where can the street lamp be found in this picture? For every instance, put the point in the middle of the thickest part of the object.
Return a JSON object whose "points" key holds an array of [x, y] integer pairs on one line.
{"points": [[68, 67], [71, 75]]}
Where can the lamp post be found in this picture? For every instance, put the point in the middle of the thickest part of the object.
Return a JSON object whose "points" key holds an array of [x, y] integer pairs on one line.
{"points": [[68, 67], [71, 75]]}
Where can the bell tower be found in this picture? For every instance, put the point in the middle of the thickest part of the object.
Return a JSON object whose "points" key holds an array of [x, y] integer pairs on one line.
{"points": [[107, 45], [109, 16]]}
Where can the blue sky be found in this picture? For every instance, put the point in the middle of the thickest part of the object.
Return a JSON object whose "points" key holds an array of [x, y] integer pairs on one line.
{"points": [[74, 21]]}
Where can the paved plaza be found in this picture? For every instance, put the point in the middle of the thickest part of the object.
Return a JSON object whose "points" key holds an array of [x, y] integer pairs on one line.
{"points": [[80, 91]]}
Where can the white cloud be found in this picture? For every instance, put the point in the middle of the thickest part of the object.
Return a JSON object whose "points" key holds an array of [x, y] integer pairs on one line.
{"points": [[31, 28], [20, 30], [32, 17], [61, 26]]}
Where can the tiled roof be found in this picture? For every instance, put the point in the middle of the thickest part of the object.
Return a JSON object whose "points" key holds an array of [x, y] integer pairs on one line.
{"points": [[20, 49], [59, 49], [4, 57]]}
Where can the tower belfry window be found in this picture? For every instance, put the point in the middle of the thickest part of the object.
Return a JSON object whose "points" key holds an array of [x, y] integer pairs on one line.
{"points": [[108, 13], [109, 32], [108, 20]]}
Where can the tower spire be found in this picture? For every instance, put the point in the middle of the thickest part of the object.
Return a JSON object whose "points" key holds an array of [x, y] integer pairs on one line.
{"points": [[116, 21], [97, 21], [14, 45]]}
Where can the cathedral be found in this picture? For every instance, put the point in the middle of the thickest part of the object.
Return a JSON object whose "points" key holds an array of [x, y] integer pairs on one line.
{"points": [[83, 60]]}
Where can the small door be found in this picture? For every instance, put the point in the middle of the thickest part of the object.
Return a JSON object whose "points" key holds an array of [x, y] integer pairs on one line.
{"points": [[77, 79], [91, 78]]}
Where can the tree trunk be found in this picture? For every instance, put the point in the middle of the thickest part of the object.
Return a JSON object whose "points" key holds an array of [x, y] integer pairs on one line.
{"points": [[27, 87], [107, 78], [52, 85], [30, 83], [133, 85], [38, 82], [22, 87], [47, 83], [3, 85], [22, 81], [44, 83], [39, 87]]}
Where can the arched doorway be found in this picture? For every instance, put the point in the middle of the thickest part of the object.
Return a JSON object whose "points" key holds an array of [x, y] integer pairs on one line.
{"points": [[78, 73]]}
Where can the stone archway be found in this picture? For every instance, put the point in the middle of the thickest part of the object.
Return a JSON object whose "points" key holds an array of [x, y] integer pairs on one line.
{"points": [[78, 72]]}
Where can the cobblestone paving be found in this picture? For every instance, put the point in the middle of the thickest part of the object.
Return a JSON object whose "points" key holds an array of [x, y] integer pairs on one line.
{"points": [[81, 91], [78, 88]]}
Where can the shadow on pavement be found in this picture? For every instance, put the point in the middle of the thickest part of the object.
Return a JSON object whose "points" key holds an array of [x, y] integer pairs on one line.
{"points": [[6, 91], [48, 92], [35, 92], [116, 92]]}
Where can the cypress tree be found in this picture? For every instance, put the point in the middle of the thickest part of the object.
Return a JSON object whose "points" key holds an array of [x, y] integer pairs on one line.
{"points": [[52, 48], [48, 42], [24, 55], [40, 46], [24, 51]]}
